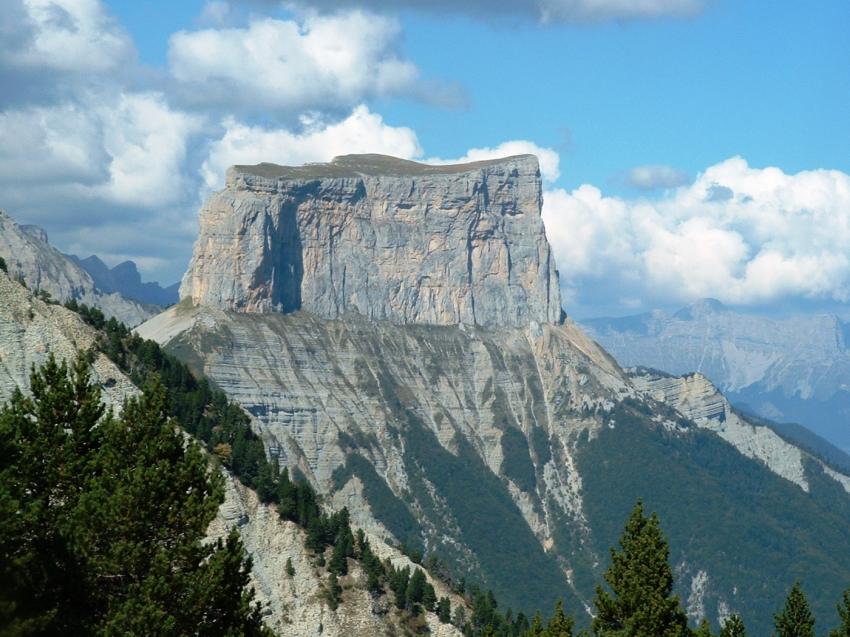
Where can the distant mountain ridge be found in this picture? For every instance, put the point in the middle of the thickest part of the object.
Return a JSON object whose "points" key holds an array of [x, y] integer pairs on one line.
{"points": [[795, 369], [125, 279], [43, 268]]}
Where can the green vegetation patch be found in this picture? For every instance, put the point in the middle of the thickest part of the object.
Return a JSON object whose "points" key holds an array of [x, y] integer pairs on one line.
{"points": [[386, 507], [725, 513], [516, 460]]}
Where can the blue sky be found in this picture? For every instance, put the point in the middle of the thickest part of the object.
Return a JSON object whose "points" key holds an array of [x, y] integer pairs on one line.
{"points": [[650, 113], [766, 80]]}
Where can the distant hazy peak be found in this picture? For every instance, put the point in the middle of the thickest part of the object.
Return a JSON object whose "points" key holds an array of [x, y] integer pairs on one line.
{"points": [[125, 279], [700, 308]]}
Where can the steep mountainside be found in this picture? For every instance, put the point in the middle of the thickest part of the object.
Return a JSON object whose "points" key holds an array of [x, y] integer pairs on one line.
{"points": [[125, 279], [447, 417], [29, 256], [31, 329], [796, 369]]}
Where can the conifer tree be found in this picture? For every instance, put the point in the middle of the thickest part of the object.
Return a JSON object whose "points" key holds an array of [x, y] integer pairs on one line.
{"points": [[104, 519], [795, 619], [398, 584], [640, 601], [844, 615], [429, 597], [560, 625], [733, 627], [444, 610], [334, 591], [536, 629], [703, 630]]}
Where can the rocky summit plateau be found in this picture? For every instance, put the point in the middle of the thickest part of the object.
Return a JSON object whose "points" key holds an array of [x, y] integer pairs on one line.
{"points": [[395, 330], [381, 237]]}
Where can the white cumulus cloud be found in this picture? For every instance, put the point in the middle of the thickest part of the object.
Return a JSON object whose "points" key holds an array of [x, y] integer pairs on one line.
{"points": [[64, 35], [769, 236], [361, 132], [548, 158], [313, 62], [654, 176]]}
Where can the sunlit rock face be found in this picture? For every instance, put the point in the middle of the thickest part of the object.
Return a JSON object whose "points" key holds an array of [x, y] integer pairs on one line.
{"points": [[384, 238]]}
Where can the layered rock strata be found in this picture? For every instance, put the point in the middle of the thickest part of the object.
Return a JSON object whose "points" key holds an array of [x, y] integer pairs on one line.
{"points": [[381, 237]]}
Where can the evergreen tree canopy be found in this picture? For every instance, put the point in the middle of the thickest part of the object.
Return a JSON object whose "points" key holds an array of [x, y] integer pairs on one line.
{"points": [[560, 625], [733, 627], [844, 615], [640, 601], [103, 519], [795, 619]]}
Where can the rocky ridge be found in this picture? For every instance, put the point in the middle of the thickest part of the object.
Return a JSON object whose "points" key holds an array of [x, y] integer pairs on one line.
{"points": [[30, 257], [31, 330], [381, 237], [698, 400], [791, 369]]}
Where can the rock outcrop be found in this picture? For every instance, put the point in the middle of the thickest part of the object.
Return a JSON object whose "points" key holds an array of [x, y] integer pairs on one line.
{"points": [[29, 257], [381, 237], [696, 398], [31, 330], [296, 605]]}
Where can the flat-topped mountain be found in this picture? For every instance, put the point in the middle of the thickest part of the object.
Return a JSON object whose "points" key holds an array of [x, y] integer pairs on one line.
{"points": [[381, 237], [395, 331]]}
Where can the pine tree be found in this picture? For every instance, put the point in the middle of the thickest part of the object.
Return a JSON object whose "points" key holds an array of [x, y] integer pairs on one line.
{"points": [[334, 592], [398, 584], [560, 625], [640, 602], [287, 497], [415, 590], [536, 629], [844, 615], [108, 518], [733, 627], [444, 610], [795, 619], [703, 630], [339, 557], [429, 597]]}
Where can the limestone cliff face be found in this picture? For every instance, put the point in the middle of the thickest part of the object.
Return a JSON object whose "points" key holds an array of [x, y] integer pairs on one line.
{"points": [[380, 237], [29, 256]]}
